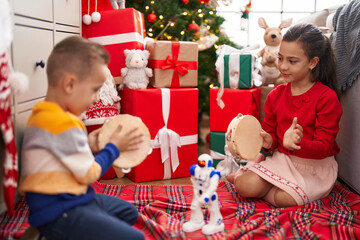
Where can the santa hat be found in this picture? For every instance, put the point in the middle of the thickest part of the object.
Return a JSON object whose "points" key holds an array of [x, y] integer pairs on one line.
{"points": [[107, 105], [91, 9]]}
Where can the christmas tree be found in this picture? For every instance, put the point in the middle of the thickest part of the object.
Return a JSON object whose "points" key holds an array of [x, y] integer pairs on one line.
{"points": [[188, 20]]}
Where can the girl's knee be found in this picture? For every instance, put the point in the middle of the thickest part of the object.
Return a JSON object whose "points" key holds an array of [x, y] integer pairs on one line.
{"points": [[284, 199], [251, 185]]}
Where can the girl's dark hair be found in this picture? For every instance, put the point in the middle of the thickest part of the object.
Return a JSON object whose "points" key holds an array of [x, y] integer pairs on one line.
{"points": [[316, 44]]}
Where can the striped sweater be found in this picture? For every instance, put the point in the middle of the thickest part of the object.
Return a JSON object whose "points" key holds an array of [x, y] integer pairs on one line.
{"points": [[57, 164]]}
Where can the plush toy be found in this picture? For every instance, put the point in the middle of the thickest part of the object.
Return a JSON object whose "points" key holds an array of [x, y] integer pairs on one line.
{"points": [[272, 38], [136, 74], [10, 82]]}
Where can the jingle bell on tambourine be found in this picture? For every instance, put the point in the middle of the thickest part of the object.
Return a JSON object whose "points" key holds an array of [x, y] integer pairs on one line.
{"points": [[243, 137], [127, 159]]}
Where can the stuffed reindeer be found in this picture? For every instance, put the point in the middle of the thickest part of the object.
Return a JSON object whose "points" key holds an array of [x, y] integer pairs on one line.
{"points": [[272, 39]]}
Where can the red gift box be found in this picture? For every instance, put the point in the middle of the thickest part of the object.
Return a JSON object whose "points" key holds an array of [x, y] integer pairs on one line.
{"points": [[117, 30], [245, 101], [101, 5], [172, 118]]}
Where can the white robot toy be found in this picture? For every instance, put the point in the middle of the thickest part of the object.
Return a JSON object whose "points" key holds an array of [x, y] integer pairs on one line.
{"points": [[205, 180]]}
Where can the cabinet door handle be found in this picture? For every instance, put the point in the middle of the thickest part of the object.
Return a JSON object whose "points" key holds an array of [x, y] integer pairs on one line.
{"points": [[41, 64]]}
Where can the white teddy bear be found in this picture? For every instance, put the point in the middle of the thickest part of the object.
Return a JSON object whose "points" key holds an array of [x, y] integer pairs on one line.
{"points": [[136, 74]]}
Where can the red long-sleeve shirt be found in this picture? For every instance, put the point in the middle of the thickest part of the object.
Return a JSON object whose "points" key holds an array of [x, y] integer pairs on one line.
{"points": [[318, 112]]}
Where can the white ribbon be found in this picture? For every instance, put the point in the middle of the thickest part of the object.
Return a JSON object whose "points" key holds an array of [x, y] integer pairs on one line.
{"points": [[228, 164], [234, 70], [118, 38], [168, 140]]}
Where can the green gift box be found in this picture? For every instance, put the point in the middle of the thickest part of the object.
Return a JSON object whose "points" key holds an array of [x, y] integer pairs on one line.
{"points": [[217, 151], [217, 144], [237, 70]]}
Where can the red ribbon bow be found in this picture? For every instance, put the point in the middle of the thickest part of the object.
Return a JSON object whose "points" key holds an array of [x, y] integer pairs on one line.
{"points": [[171, 62]]}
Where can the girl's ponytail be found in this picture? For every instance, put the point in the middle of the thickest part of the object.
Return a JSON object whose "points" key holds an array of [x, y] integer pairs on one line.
{"points": [[325, 70]]}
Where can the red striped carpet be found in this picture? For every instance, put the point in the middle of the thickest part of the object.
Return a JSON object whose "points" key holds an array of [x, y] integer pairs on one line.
{"points": [[165, 208]]}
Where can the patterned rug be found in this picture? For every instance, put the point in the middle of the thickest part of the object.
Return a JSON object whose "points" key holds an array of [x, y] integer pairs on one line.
{"points": [[165, 208]]}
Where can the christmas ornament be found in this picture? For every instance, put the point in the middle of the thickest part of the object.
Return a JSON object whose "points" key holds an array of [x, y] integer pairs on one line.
{"points": [[204, 1], [246, 11], [206, 40], [151, 17], [212, 4], [193, 27], [95, 16], [245, 16], [185, 1]]}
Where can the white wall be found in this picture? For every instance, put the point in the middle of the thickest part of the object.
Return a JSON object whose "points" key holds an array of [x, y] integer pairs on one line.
{"points": [[274, 11]]}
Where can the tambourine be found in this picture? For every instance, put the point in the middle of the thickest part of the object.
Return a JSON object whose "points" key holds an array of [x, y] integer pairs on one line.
{"points": [[127, 159], [243, 137]]}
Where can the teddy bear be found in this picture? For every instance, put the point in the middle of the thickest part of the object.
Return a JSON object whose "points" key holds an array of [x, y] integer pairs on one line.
{"points": [[268, 54], [136, 74]]}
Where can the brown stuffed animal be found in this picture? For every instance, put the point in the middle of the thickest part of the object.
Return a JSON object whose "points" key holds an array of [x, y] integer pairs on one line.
{"points": [[272, 39]]}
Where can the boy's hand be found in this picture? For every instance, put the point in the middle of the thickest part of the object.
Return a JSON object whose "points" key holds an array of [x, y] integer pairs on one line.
{"points": [[293, 136], [267, 139], [126, 140], [93, 140]]}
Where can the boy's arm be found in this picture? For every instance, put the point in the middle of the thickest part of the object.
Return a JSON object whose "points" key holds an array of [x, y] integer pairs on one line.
{"points": [[102, 163], [107, 156]]}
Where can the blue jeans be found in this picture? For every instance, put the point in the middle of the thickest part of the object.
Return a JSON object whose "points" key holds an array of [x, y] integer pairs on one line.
{"points": [[106, 217]]}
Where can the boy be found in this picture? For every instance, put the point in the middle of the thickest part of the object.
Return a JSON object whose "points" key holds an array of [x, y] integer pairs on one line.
{"points": [[57, 161]]}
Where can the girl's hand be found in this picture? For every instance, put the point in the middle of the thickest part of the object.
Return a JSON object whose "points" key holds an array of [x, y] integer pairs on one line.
{"points": [[267, 139], [93, 138], [293, 136], [126, 140]]}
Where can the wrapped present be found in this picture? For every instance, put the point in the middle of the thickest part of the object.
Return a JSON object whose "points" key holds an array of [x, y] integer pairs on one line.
{"points": [[118, 30], [172, 118], [235, 69], [216, 145], [175, 63], [90, 7], [244, 101], [225, 163]]}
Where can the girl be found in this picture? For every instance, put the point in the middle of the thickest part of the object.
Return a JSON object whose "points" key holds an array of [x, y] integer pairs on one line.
{"points": [[300, 125]]}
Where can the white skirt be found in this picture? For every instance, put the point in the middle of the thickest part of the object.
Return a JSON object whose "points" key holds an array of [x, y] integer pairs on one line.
{"points": [[306, 180]]}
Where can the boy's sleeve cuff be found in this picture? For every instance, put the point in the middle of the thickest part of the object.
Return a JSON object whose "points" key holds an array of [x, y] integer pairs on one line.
{"points": [[113, 149]]}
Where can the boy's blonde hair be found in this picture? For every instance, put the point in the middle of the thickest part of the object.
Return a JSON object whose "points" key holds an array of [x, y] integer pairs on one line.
{"points": [[74, 55]]}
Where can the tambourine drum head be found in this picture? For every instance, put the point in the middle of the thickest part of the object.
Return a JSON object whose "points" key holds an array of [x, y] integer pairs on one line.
{"points": [[127, 159], [246, 141]]}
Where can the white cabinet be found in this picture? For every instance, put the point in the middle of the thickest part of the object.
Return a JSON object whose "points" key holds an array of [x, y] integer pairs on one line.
{"points": [[38, 9], [38, 26], [31, 60], [66, 12]]}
